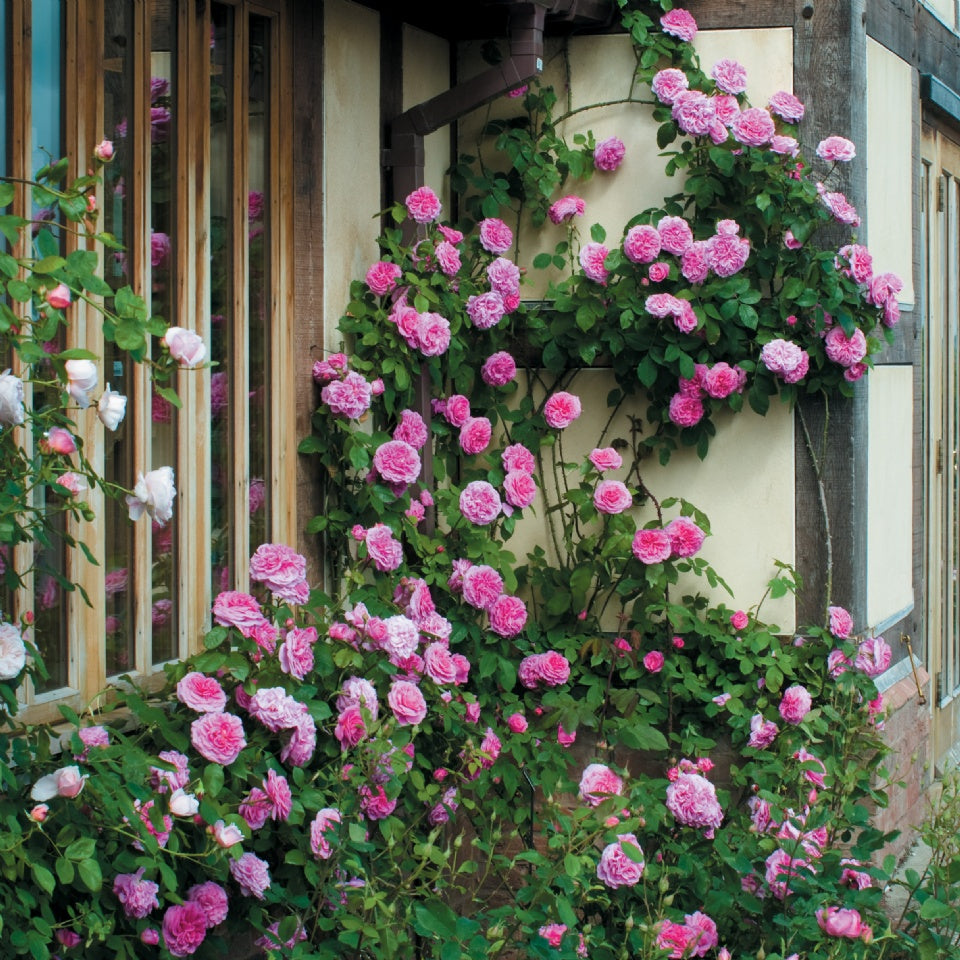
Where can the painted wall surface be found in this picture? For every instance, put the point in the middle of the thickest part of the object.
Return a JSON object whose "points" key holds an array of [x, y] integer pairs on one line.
{"points": [[889, 164], [351, 170], [745, 486], [944, 9], [426, 72], [889, 493]]}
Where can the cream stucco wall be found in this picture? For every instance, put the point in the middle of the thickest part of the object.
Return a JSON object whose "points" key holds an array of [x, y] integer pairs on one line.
{"points": [[890, 164], [351, 161], [945, 9], [889, 493], [426, 72]]}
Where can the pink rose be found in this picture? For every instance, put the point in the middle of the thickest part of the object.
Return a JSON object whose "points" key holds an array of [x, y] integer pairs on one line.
{"points": [[859, 260], [519, 488], [411, 429], [617, 868], [679, 23], [185, 346], [658, 272], [883, 288], [407, 702], [58, 440], [726, 108], [840, 207], [730, 76], [423, 205], [753, 127], [456, 410], [694, 264], [382, 277], [481, 586], [786, 105], [103, 151], [692, 800], [561, 409], [252, 874], [605, 458], [840, 922], [486, 310], [762, 732], [518, 457], [350, 729], [785, 359], [433, 334], [138, 896], [554, 668], [275, 708], [785, 146], [385, 552], [652, 545], [212, 899], [508, 615], [841, 623], [323, 824], [504, 277], [553, 933], [837, 663], [565, 738], [218, 737], [836, 149], [184, 928], [475, 435], [517, 723], [686, 538], [448, 256], [641, 244], [375, 803], [495, 235], [349, 397], [235, 609], [873, 656], [608, 154], [480, 503], [592, 258], [612, 496], [358, 692], [668, 84], [566, 208], [845, 350], [653, 661], [597, 782], [727, 254], [281, 569], [685, 410], [201, 693], [439, 664], [795, 704], [694, 112], [739, 620], [721, 380], [675, 235], [397, 462], [499, 369]]}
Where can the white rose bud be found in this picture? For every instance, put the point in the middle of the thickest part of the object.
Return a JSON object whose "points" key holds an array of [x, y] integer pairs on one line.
{"points": [[11, 399], [185, 346], [82, 378], [111, 408], [13, 652], [183, 804], [154, 494]]}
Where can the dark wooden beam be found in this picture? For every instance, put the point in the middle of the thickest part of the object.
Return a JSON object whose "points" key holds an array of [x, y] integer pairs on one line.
{"points": [[913, 33], [741, 14]]}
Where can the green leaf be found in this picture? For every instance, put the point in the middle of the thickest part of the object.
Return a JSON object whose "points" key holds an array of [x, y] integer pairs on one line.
{"points": [[43, 878], [81, 849], [762, 201], [213, 778], [75, 353], [542, 260], [723, 159], [647, 371], [48, 264], [169, 395], [19, 291], [934, 909], [90, 874], [666, 134], [597, 233], [6, 194], [642, 737]]}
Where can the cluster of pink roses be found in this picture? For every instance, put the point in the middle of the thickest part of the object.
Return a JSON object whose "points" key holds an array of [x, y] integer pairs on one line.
{"points": [[695, 937], [345, 392], [482, 588], [718, 381], [692, 799], [680, 538]]}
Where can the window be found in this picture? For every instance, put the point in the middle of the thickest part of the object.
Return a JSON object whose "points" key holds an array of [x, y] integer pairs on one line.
{"points": [[191, 95]]}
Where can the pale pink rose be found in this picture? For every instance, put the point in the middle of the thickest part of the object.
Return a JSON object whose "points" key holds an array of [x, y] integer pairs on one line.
{"points": [[504, 277], [481, 586], [385, 552], [448, 256], [137, 896], [762, 732], [350, 728], [382, 277], [785, 146], [873, 656], [58, 440], [508, 616], [397, 462], [795, 704], [252, 874], [281, 569], [103, 151], [185, 346], [753, 127], [561, 409], [566, 208], [692, 799], [841, 623], [184, 928], [358, 692], [553, 933], [652, 545], [433, 334], [218, 737], [302, 742], [605, 458], [641, 244], [235, 609], [183, 804], [486, 310], [685, 411], [787, 106], [617, 868], [411, 429], [81, 380], [859, 262], [480, 503], [843, 211], [518, 457], [323, 826], [438, 663], [592, 258], [212, 899], [841, 922], [791, 242], [785, 358], [608, 154], [843, 349], [495, 235], [59, 297], [517, 723], [226, 835], [475, 435], [402, 636], [694, 112], [519, 489], [679, 23], [276, 709], [111, 408], [727, 254], [653, 661], [612, 496], [499, 369], [837, 663], [730, 76], [668, 84], [686, 538], [201, 693], [721, 380], [423, 205], [456, 410], [153, 494], [658, 272], [726, 108], [407, 702], [349, 397], [836, 149], [65, 782], [597, 782], [675, 235]]}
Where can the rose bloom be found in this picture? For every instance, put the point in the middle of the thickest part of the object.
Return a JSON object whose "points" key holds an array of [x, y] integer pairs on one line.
{"points": [[605, 458], [612, 496], [727, 255], [138, 896], [695, 263], [423, 205], [721, 380], [385, 552], [795, 704], [837, 663], [382, 277], [786, 105], [212, 899], [486, 310], [561, 409], [275, 708], [564, 738], [184, 927], [448, 256], [668, 84], [653, 661], [58, 440], [692, 799], [411, 429], [480, 503], [495, 235], [859, 260], [686, 538], [185, 346], [685, 411], [618, 869], [481, 586], [840, 922], [457, 410], [641, 244], [218, 737], [519, 488], [323, 824], [841, 623], [59, 297], [111, 408], [658, 271], [397, 462], [350, 729], [235, 609], [433, 334], [608, 154], [566, 208], [596, 782], [12, 411], [518, 457], [13, 652], [252, 874], [358, 692], [438, 664], [841, 208], [508, 616], [730, 76], [694, 112], [153, 494], [843, 349], [407, 702], [504, 277], [873, 656], [652, 545], [280, 568], [201, 693], [81, 379], [785, 146], [739, 620], [762, 732], [225, 835], [675, 235], [498, 369], [475, 435], [375, 803], [679, 23], [553, 933], [592, 258], [786, 359], [753, 127], [349, 397], [834, 149], [517, 723]]}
